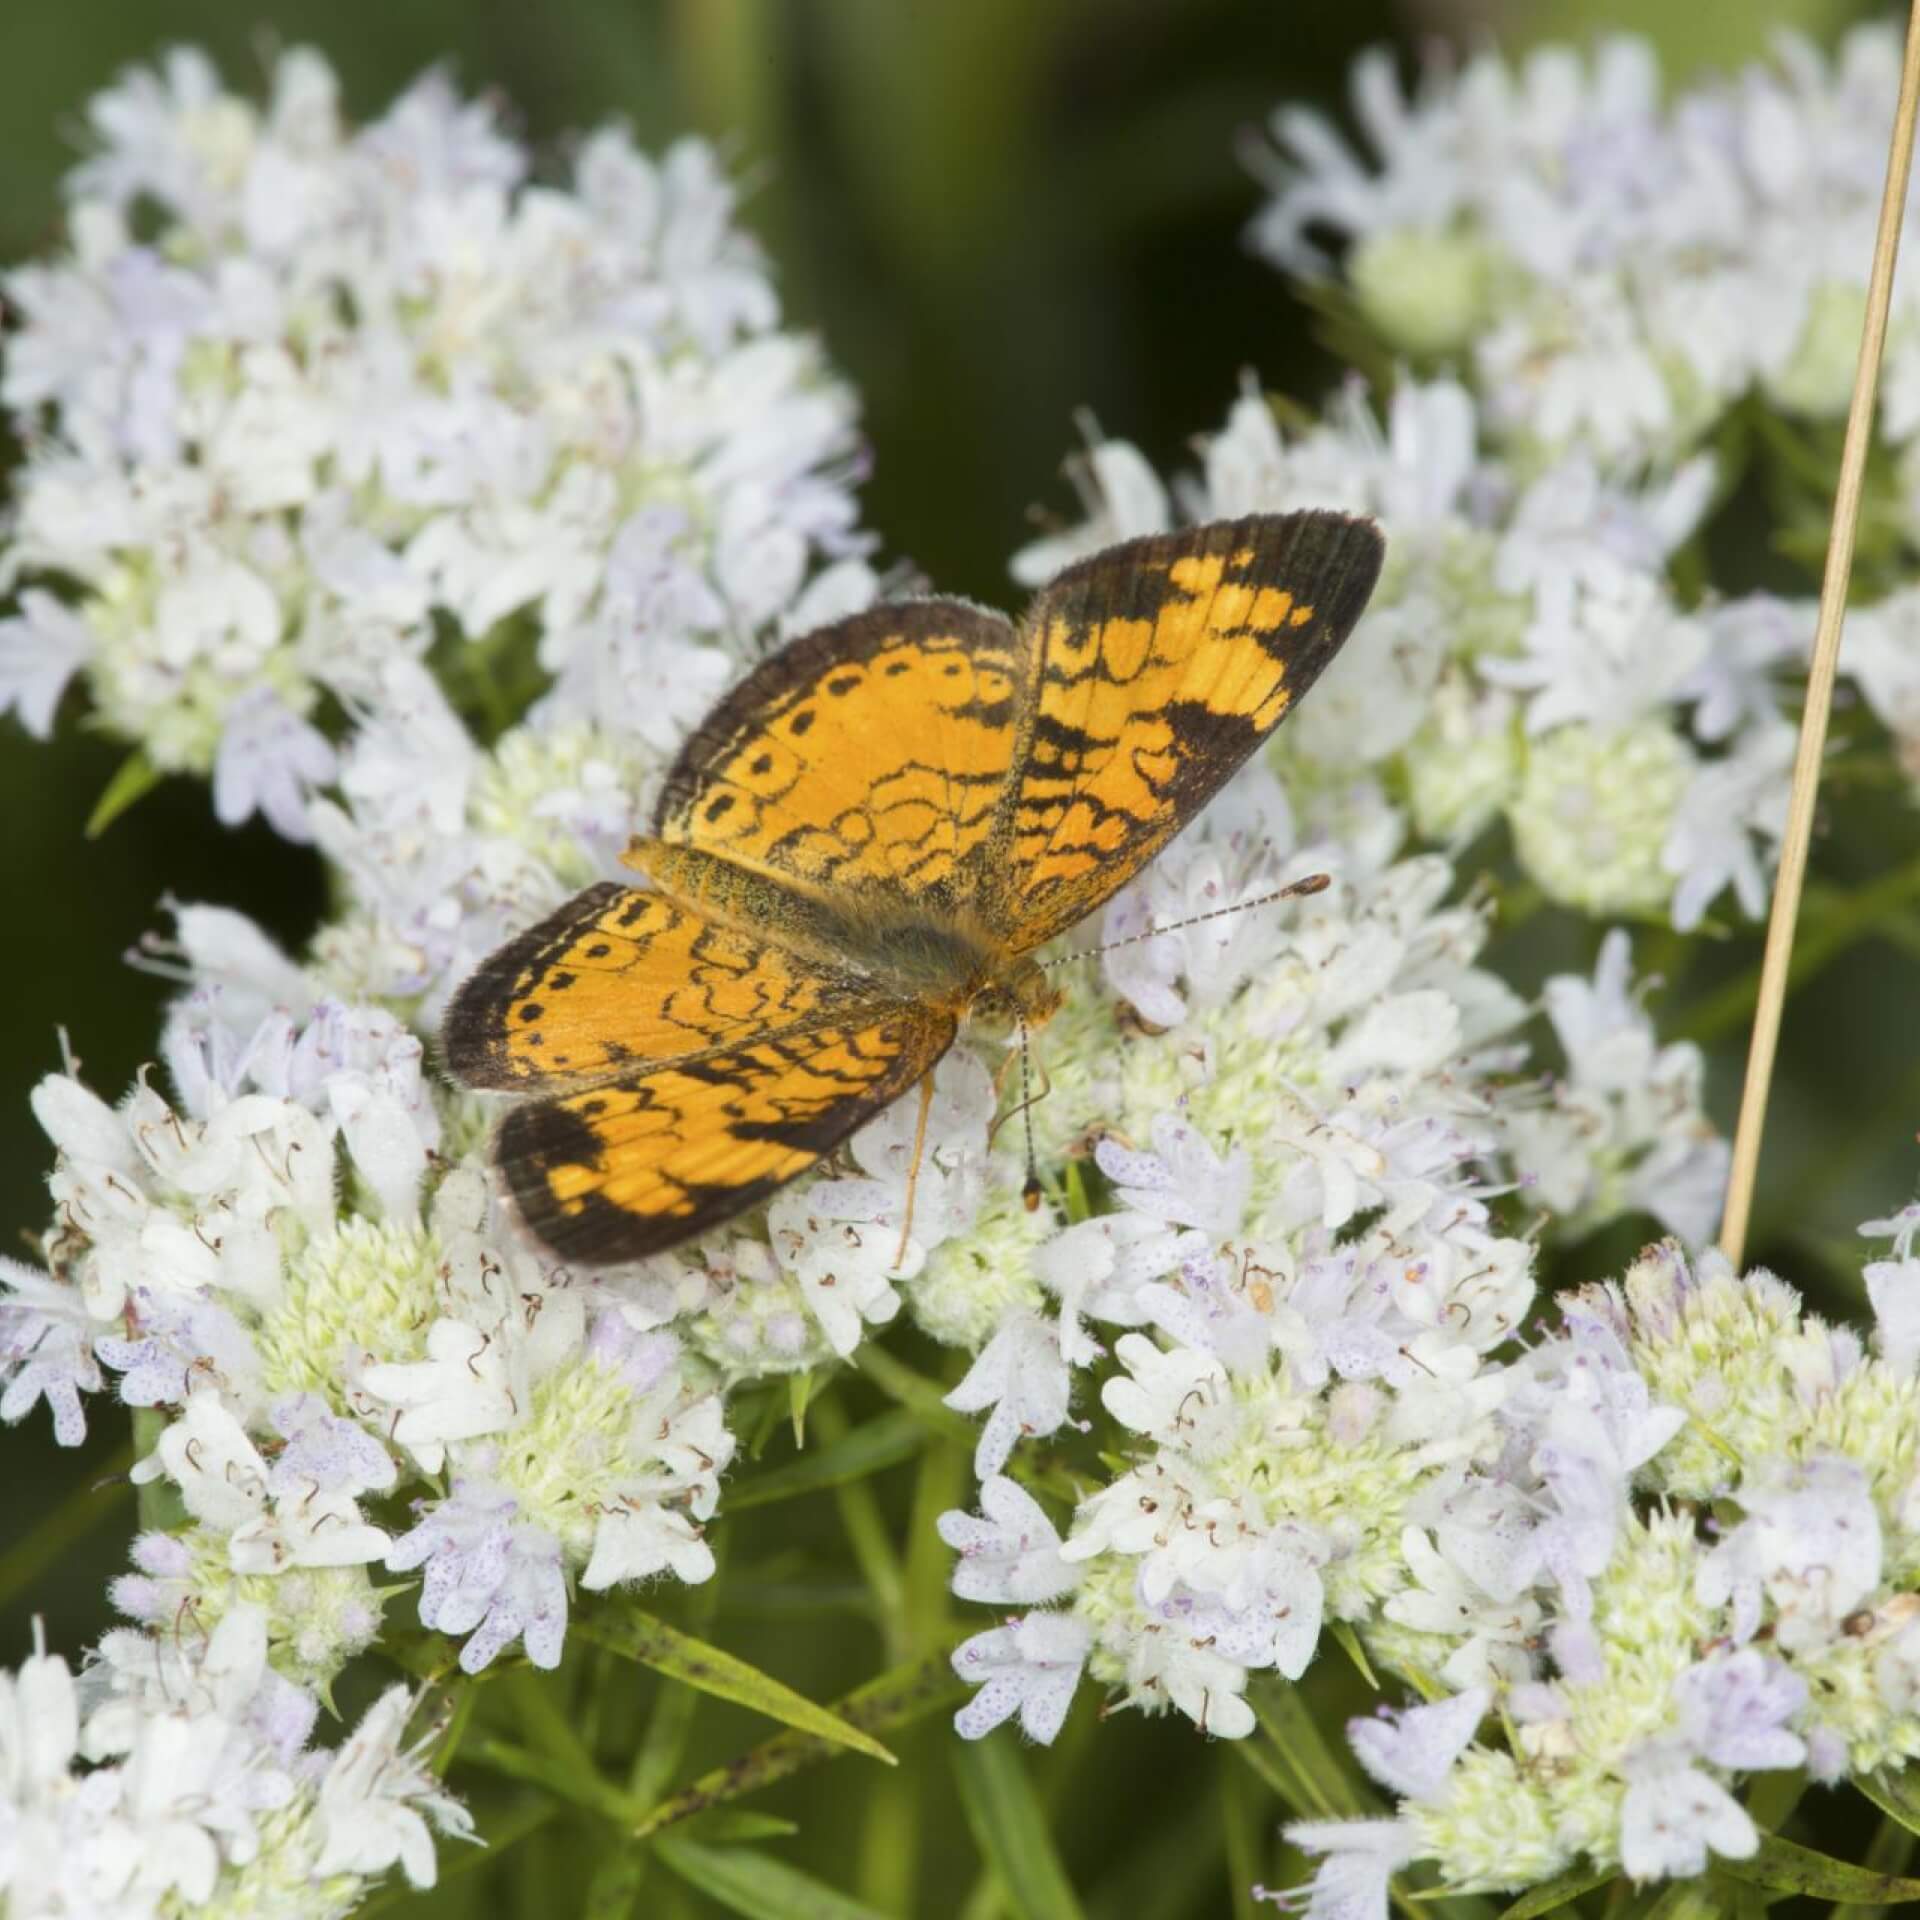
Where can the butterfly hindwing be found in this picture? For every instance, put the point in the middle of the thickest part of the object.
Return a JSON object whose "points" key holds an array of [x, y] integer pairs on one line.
{"points": [[621, 977], [870, 755], [1162, 664], [638, 1165]]}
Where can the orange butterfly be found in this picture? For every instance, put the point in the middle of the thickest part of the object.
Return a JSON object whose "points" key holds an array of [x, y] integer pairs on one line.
{"points": [[862, 847]]}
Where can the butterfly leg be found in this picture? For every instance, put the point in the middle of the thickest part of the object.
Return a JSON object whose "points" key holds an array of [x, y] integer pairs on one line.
{"points": [[913, 1171]]}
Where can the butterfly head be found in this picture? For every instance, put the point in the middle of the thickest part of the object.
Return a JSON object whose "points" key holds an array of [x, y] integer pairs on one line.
{"points": [[1021, 995]]}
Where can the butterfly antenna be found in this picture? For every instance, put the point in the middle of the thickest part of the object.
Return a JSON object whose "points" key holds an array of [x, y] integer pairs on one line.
{"points": [[913, 1171], [1030, 1191], [1296, 890]]}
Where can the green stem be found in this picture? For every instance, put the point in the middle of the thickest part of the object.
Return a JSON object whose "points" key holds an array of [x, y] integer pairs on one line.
{"points": [[873, 1550], [588, 1791]]}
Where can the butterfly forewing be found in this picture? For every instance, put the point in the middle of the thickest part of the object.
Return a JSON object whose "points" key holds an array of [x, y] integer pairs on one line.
{"points": [[1161, 665], [638, 1165], [869, 756]]}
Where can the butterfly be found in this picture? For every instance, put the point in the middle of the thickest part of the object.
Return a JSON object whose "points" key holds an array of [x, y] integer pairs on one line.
{"points": [[862, 847]]}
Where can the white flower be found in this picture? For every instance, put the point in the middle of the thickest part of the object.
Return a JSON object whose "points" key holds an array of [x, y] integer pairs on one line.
{"points": [[1732, 1706], [1361, 1856], [46, 1351], [1811, 1544], [1411, 1753], [489, 1575], [1893, 1290], [462, 1389], [1012, 1555], [1122, 497], [1019, 1374], [41, 648], [1674, 1816], [1726, 806], [1491, 1634], [268, 762], [1029, 1667], [376, 1797]]}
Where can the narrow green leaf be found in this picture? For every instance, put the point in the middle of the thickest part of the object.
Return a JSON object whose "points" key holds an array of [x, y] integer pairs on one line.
{"points": [[755, 1884], [799, 1392], [1550, 1895], [912, 1389], [1288, 1722], [731, 1826], [866, 1449], [1272, 1776], [1008, 1827], [1897, 1795], [1349, 1641], [1702, 1899], [640, 1636], [897, 1698], [135, 778], [1791, 1869], [587, 1791]]}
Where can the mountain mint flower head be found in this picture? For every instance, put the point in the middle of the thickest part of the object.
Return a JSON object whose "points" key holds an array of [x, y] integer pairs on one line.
{"points": [[355, 379], [176, 1775], [1526, 656], [1676, 1661], [1291, 1305], [1622, 306]]}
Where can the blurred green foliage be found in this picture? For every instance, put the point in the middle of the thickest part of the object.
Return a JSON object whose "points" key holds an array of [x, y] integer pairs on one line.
{"points": [[997, 212]]}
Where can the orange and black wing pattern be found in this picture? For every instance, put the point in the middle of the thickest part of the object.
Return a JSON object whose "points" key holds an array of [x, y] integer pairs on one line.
{"points": [[871, 755], [638, 1165], [1161, 665], [620, 978]]}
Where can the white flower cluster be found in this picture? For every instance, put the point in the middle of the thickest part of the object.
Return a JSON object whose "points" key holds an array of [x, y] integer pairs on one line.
{"points": [[1693, 1557], [1525, 656], [303, 398], [315, 1356], [1293, 1129], [176, 1775], [1615, 267]]}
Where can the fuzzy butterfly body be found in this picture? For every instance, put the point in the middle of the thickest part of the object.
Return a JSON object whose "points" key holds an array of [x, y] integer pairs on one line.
{"points": [[861, 848]]}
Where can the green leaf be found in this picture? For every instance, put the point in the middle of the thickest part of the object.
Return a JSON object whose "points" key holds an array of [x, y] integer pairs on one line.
{"points": [[640, 1636], [799, 1392], [578, 1788], [1558, 1892], [1289, 1723], [1897, 1795], [755, 1884], [1701, 1899], [897, 1698], [1009, 1830], [866, 1449], [728, 1826], [913, 1390], [1349, 1642], [136, 778], [1790, 1869]]}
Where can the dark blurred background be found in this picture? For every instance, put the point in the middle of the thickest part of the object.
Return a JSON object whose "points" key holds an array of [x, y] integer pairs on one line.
{"points": [[997, 213]]}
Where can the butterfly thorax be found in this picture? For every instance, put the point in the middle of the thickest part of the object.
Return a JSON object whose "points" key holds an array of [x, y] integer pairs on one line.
{"points": [[923, 948]]}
